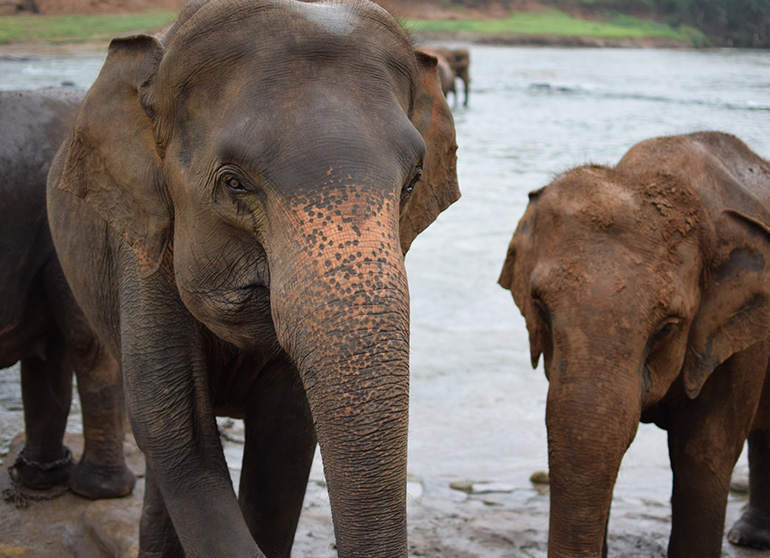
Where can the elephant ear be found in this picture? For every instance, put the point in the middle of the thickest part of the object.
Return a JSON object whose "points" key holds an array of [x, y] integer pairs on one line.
{"points": [[516, 276], [735, 304], [112, 161], [438, 188]]}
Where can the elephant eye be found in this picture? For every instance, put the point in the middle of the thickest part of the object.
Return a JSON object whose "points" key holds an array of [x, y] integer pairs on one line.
{"points": [[408, 188], [542, 310], [233, 183], [416, 177], [665, 330]]}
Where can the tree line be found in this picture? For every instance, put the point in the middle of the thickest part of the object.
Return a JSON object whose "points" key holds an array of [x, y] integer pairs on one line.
{"points": [[744, 23], [739, 23]]}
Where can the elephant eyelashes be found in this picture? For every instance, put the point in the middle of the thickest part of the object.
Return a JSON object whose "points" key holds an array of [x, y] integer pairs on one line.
{"points": [[233, 183], [665, 331], [408, 188], [416, 177], [542, 310]]}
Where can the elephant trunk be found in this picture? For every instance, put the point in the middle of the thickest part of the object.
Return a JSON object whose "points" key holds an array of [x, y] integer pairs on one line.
{"points": [[341, 309], [591, 422]]}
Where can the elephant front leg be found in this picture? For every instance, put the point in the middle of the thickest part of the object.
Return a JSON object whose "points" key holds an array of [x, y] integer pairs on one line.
{"points": [[157, 536], [102, 471], [280, 442], [705, 440], [753, 528], [46, 387]]}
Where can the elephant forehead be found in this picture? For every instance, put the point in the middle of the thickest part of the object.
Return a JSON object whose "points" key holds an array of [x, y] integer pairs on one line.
{"points": [[277, 31], [586, 200], [231, 51], [335, 19], [597, 199]]}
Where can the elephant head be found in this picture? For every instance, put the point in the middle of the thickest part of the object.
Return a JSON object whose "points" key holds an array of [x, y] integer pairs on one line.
{"points": [[636, 282], [269, 163]]}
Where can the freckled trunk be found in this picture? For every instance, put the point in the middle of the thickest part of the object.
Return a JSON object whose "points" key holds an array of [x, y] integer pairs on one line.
{"points": [[591, 422], [341, 309]]}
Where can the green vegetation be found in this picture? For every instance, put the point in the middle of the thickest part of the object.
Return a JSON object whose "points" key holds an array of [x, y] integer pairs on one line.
{"points": [[727, 22], [557, 23], [79, 28]]}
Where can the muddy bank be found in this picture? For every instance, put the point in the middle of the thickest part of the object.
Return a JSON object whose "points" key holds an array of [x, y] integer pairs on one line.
{"points": [[509, 39], [496, 521]]}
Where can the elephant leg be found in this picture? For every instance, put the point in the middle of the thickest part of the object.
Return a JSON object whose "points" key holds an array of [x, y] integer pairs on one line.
{"points": [[753, 528], [280, 442], [46, 386], [102, 470], [157, 536], [705, 440]]}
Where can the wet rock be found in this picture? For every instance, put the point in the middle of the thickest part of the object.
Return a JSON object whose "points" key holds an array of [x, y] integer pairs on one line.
{"points": [[540, 477], [471, 487], [462, 486], [739, 484]]}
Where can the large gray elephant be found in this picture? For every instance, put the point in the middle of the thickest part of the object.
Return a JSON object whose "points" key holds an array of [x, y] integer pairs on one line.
{"points": [[245, 186], [40, 323], [646, 288]]}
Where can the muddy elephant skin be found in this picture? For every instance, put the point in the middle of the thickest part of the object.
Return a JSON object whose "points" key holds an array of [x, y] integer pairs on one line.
{"points": [[646, 288], [246, 186], [41, 325]]}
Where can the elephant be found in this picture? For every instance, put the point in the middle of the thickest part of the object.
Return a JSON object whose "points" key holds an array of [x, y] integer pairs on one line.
{"points": [[41, 325], [445, 72], [245, 185], [645, 286], [459, 62]]}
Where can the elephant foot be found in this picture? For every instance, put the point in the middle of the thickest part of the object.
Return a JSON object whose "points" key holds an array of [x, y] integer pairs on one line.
{"points": [[98, 481], [42, 475], [751, 530]]}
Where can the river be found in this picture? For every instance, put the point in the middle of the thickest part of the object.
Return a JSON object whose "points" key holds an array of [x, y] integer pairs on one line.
{"points": [[477, 407]]}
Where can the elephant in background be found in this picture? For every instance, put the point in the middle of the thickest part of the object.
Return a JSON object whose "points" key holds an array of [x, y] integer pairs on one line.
{"points": [[446, 74], [646, 288], [459, 62], [245, 186], [41, 325]]}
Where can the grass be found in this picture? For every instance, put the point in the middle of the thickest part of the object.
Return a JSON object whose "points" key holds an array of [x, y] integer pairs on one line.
{"points": [[79, 28], [557, 23]]}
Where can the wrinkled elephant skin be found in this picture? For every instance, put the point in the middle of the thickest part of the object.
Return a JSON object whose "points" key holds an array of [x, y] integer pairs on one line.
{"points": [[41, 325], [248, 183], [646, 288]]}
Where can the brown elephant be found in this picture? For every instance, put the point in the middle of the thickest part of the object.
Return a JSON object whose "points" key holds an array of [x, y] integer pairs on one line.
{"points": [[446, 74], [41, 325], [646, 288], [459, 61], [245, 186], [452, 64]]}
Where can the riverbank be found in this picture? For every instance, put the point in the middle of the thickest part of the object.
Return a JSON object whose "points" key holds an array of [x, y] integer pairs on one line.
{"points": [[426, 22]]}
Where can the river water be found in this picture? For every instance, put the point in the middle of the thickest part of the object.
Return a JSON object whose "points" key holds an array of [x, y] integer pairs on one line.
{"points": [[478, 408]]}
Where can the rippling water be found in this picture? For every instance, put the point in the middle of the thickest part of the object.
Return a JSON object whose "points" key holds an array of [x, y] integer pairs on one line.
{"points": [[477, 407]]}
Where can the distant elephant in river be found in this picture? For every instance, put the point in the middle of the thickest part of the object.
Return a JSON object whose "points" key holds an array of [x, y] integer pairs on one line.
{"points": [[646, 287], [459, 61], [40, 322], [245, 186]]}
